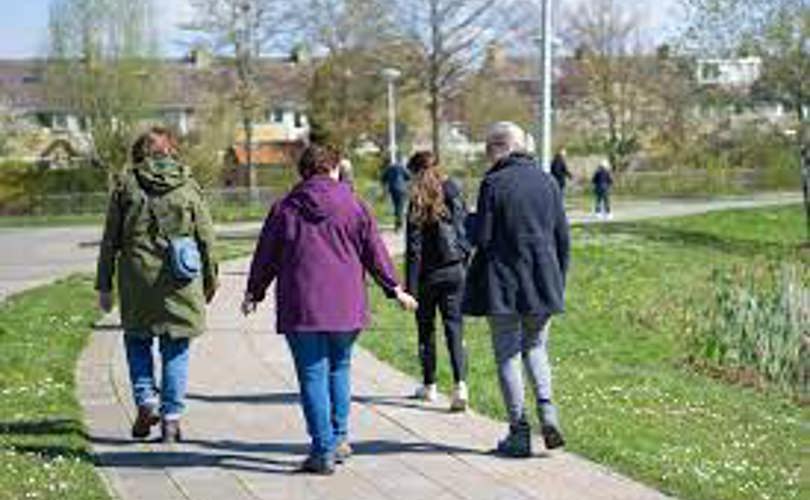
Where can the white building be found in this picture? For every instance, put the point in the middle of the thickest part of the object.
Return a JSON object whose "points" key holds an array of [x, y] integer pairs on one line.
{"points": [[741, 72]]}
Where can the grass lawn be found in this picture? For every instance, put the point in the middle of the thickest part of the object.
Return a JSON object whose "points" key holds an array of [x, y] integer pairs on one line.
{"points": [[43, 449], [627, 398]]}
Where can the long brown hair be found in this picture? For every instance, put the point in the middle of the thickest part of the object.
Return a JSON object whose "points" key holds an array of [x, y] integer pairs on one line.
{"points": [[427, 193]]}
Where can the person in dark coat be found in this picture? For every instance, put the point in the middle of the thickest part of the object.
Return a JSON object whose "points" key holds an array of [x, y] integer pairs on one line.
{"points": [[559, 169], [517, 278], [395, 179], [602, 182], [436, 256]]}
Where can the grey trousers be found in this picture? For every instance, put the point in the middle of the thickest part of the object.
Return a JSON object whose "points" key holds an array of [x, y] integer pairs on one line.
{"points": [[521, 338]]}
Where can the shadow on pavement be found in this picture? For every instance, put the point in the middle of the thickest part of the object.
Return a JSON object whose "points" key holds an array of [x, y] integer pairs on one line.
{"points": [[292, 398]]}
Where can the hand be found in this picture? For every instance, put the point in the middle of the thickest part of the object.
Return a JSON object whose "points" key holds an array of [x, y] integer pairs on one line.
{"points": [[105, 301], [209, 294], [248, 305], [406, 300]]}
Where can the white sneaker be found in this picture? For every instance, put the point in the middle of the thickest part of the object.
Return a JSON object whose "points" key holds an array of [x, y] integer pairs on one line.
{"points": [[461, 398], [426, 393], [609, 216]]}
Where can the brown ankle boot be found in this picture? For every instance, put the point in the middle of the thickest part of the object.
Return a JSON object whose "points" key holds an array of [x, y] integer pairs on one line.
{"points": [[171, 431], [147, 417]]}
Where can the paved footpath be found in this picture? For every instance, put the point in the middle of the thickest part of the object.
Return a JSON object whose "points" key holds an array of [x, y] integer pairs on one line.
{"points": [[244, 431], [245, 435]]}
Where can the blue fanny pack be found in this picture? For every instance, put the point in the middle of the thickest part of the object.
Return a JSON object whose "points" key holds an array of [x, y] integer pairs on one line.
{"points": [[182, 252], [185, 258]]}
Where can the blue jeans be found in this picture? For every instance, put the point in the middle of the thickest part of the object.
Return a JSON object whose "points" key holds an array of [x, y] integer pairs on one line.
{"points": [[174, 376], [322, 363]]}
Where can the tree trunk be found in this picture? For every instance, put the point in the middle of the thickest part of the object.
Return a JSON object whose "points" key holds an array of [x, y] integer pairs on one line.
{"points": [[435, 122], [247, 123], [435, 90]]}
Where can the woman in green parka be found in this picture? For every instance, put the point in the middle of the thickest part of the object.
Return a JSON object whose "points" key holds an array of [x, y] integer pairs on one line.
{"points": [[159, 239]]}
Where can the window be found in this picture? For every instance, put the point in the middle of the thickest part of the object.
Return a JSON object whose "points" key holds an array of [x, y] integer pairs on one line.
{"points": [[299, 120], [278, 115], [710, 71]]}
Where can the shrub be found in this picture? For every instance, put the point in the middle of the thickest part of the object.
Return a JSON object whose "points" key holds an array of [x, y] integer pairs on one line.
{"points": [[757, 327]]}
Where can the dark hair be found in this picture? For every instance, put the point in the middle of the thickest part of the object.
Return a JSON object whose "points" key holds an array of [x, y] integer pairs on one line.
{"points": [[144, 145], [427, 193], [317, 160]]}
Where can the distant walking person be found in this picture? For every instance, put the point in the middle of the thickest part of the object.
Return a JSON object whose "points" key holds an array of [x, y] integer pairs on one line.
{"points": [[395, 178], [318, 242], [517, 278], [159, 240], [437, 251], [559, 169], [602, 183]]}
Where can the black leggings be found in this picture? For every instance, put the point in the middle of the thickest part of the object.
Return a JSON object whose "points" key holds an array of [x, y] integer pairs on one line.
{"points": [[447, 297]]}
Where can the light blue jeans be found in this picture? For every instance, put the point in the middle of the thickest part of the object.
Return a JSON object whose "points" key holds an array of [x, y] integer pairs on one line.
{"points": [[522, 338], [323, 363], [174, 355]]}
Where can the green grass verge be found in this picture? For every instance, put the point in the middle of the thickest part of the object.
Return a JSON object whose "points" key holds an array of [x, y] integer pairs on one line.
{"points": [[627, 398], [44, 452]]}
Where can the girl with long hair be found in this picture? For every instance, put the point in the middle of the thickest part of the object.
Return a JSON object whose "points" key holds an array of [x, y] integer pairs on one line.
{"points": [[436, 252]]}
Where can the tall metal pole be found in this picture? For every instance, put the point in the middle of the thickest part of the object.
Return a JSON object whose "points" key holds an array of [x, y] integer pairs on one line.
{"points": [[391, 75], [392, 123], [545, 119]]}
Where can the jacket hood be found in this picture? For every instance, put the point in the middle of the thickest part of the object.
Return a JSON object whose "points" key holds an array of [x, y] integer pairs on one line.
{"points": [[514, 159], [161, 175], [318, 198]]}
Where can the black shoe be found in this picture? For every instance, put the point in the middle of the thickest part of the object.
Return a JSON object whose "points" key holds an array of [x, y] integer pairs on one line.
{"points": [[323, 465], [146, 419], [170, 430], [552, 437], [518, 443], [550, 427], [343, 453]]}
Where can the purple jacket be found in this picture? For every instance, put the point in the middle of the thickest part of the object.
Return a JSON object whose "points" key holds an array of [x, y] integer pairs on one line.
{"points": [[318, 241]]}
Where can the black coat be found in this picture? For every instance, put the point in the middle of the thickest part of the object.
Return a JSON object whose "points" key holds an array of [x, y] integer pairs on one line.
{"points": [[522, 243], [559, 169], [435, 252], [602, 180]]}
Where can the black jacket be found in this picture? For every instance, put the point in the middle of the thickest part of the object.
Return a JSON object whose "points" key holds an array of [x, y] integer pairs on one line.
{"points": [[602, 180], [522, 243], [559, 169], [432, 249]]}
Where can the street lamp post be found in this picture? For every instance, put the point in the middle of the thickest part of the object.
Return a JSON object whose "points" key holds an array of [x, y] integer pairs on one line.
{"points": [[545, 109], [391, 75]]}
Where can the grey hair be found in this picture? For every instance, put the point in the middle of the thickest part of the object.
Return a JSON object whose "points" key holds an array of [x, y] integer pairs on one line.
{"points": [[504, 138]]}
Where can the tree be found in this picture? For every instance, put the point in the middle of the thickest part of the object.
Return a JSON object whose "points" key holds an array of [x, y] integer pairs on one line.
{"points": [[345, 92], [102, 67], [486, 100], [614, 71], [243, 30], [776, 30], [452, 35]]}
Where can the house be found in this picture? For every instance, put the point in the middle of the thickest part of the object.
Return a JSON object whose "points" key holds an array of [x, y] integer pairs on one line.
{"points": [[187, 86], [739, 73], [276, 143]]}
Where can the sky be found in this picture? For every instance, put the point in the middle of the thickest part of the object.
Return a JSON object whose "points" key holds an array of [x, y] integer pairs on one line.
{"points": [[23, 24]]}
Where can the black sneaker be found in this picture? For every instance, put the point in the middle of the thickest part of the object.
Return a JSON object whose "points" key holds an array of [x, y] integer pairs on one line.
{"points": [[146, 419], [323, 465], [550, 427], [518, 443]]}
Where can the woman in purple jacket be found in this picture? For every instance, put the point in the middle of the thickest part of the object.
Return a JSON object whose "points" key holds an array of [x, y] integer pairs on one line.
{"points": [[318, 242]]}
